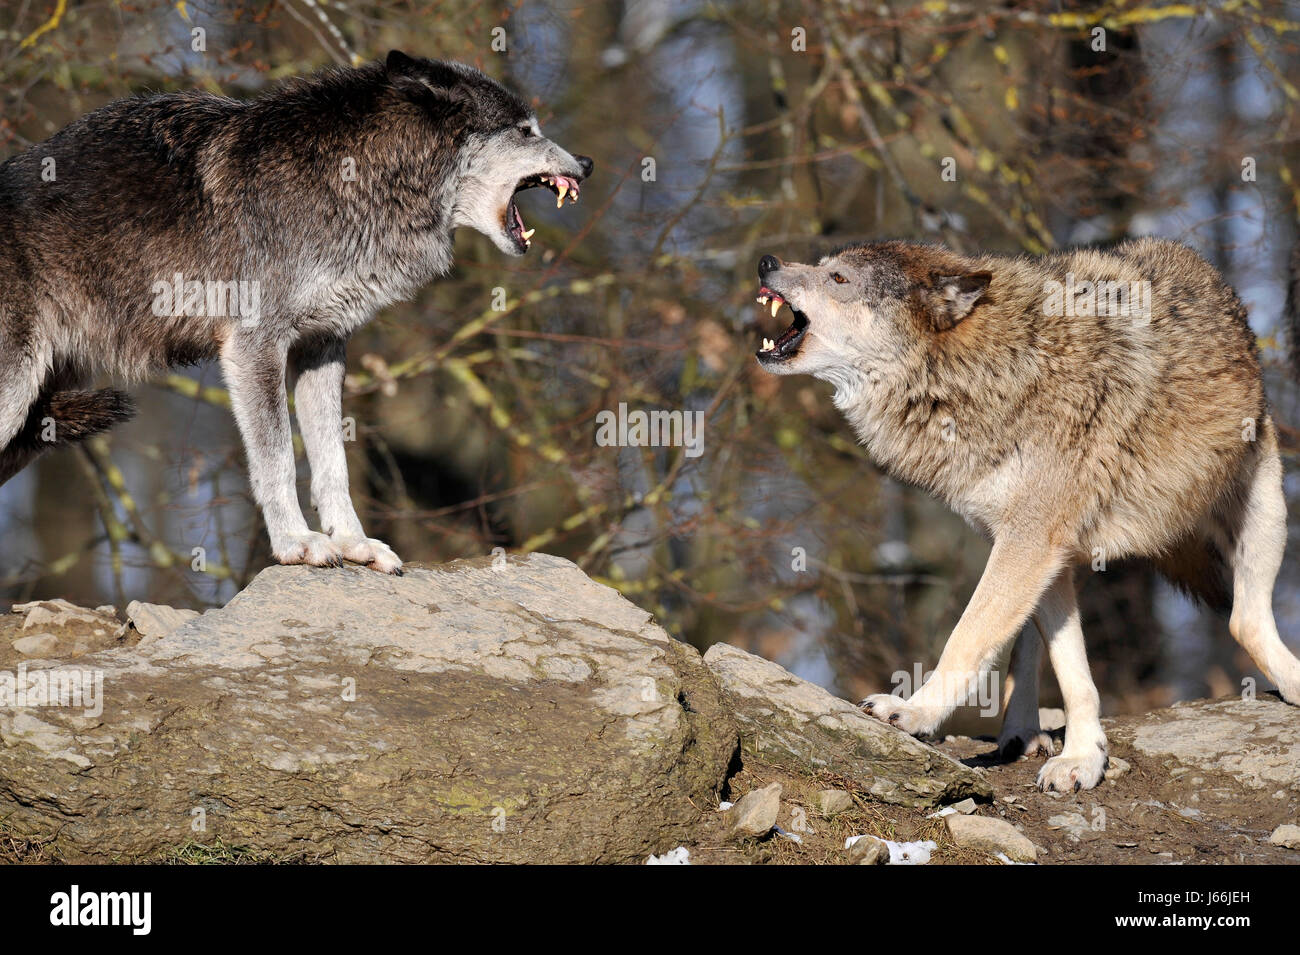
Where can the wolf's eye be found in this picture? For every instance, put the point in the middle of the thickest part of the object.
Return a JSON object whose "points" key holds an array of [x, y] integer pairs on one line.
{"points": [[839, 279], [527, 130]]}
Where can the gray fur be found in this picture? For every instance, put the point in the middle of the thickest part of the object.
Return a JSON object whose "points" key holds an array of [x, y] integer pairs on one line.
{"points": [[322, 202]]}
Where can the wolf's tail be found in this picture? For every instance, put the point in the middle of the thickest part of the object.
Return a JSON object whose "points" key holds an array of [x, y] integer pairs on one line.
{"points": [[59, 419]]}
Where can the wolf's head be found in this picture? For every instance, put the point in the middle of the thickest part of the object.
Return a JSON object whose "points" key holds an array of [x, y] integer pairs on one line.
{"points": [[501, 150], [856, 312]]}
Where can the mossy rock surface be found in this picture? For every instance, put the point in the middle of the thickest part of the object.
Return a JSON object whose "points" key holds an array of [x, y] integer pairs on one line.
{"points": [[800, 726]]}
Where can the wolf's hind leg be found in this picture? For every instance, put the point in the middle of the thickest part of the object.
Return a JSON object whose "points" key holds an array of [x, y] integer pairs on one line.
{"points": [[22, 373], [1021, 734], [318, 400], [1082, 762], [1258, 540]]}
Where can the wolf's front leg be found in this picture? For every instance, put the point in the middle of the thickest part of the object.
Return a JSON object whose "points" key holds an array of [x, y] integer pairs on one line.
{"points": [[1015, 576], [318, 398], [254, 372]]}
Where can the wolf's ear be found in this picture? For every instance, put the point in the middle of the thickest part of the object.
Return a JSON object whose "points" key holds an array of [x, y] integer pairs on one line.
{"points": [[399, 64], [423, 79], [953, 296]]}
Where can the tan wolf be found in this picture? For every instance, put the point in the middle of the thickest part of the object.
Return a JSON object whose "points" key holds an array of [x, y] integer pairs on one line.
{"points": [[1077, 408]]}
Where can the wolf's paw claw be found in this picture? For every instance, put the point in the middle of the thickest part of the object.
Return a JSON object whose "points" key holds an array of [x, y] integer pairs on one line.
{"points": [[375, 554], [1067, 773], [899, 712], [310, 548]]}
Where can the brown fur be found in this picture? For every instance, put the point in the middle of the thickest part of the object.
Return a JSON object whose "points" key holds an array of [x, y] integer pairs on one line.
{"points": [[1138, 428]]}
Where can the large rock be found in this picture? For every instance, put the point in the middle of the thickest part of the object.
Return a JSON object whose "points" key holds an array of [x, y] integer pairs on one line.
{"points": [[800, 725], [459, 713], [1256, 742]]}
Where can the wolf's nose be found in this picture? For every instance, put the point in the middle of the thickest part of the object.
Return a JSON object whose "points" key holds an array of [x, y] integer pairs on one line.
{"points": [[768, 264], [586, 164]]}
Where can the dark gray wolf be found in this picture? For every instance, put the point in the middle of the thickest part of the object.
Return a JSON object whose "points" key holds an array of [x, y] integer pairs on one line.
{"points": [[168, 229], [1077, 408]]}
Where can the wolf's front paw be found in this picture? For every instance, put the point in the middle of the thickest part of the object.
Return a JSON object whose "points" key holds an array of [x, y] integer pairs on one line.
{"points": [[309, 548], [1070, 773], [375, 554], [906, 715]]}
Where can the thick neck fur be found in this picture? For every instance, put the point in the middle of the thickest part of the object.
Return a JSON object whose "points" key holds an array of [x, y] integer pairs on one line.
{"points": [[912, 408]]}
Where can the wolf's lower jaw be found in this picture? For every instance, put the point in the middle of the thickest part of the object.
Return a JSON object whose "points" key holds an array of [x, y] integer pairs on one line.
{"points": [[321, 550]]}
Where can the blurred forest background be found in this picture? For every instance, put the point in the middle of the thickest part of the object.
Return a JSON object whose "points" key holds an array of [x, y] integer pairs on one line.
{"points": [[721, 130]]}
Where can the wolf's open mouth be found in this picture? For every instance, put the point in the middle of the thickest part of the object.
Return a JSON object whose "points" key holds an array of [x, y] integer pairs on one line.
{"points": [[562, 186], [787, 345]]}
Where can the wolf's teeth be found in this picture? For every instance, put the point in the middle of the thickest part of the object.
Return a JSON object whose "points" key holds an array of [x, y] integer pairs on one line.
{"points": [[776, 306], [762, 300], [560, 193], [528, 235], [768, 344]]}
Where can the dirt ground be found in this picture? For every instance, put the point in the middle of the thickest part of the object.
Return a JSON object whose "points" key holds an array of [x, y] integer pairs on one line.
{"points": [[1142, 817]]}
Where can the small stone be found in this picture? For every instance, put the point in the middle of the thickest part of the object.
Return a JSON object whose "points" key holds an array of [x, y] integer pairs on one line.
{"points": [[832, 801], [55, 613], [868, 850], [992, 836], [1072, 822], [155, 621], [1286, 836], [679, 856], [755, 814], [37, 645], [966, 807], [1116, 767]]}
